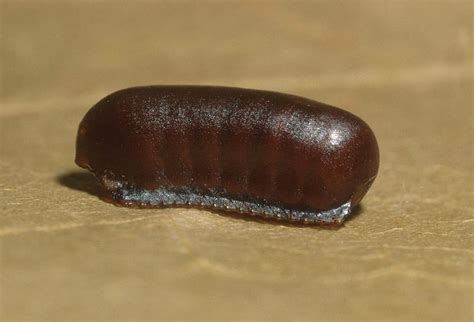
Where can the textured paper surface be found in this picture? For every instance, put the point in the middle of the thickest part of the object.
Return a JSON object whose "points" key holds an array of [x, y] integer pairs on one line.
{"points": [[403, 66]]}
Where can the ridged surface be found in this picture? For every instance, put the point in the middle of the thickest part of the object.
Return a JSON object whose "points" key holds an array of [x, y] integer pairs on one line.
{"points": [[260, 147]]}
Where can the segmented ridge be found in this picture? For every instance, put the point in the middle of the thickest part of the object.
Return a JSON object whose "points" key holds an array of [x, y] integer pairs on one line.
{"points": [[164, 198]]}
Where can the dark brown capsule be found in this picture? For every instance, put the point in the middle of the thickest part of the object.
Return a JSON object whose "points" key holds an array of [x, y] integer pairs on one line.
{"points": [[249, 151]]}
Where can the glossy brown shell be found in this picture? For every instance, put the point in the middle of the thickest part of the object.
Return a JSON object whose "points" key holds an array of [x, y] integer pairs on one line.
{"points": [[251, 151]]}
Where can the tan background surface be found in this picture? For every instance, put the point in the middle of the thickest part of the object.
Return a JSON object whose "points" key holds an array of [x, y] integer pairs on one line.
{"points": [[403, 66]]}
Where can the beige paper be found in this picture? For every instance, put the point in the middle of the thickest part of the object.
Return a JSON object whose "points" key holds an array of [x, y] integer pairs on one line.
{"points": [[405, 67]]}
